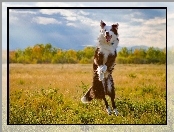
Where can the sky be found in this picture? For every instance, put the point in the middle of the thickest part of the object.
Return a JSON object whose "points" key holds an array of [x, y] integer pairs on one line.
{"points": [[77, 28]]}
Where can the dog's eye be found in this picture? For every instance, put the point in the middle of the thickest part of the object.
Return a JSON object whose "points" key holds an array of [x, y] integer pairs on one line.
{"points": [[105, 29]]}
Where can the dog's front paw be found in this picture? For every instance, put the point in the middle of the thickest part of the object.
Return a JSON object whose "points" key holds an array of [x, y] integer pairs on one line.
{"points": [[103, 68], [100, 71]]}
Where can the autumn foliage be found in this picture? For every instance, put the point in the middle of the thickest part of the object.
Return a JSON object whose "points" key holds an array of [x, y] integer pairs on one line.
{"points": [[43, 54]]}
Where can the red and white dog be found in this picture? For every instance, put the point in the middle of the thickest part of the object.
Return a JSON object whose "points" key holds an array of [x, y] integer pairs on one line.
{"points": [[103, 65]]}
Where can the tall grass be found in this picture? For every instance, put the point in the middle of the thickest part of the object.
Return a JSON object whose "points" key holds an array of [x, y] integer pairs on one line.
{"points": [[50, 94]]}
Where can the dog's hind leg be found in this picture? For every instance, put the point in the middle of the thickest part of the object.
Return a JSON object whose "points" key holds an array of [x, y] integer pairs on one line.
{"points": [[114, 106], [112, 95], [108, 109]]}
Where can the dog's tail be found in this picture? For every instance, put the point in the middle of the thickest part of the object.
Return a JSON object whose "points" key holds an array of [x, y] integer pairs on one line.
{"points": [[87, 97]]}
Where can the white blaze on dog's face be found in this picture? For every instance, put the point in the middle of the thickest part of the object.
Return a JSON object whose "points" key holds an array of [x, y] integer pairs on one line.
{"points": [[109, 34]]}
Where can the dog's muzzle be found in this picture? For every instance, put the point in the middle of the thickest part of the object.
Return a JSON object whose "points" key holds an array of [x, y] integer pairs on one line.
{"points": [[107, 36]]}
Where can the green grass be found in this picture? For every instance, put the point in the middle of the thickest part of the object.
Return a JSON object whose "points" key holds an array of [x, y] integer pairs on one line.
{"points": [[50, 94]]}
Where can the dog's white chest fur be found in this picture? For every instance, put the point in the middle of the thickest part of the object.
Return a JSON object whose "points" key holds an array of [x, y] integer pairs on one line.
{"points": [[106, 50]]}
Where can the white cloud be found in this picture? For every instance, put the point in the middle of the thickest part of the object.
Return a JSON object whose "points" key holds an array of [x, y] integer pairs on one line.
{"points": [[15, 15], [71, 15], [68, 14], [45, 20], [137, 20], [72, 24], [20, 17], [155, 21], [149, 32], [83, 13]]}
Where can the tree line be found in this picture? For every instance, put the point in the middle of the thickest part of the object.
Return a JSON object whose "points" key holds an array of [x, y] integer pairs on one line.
{"points": [[46, 53]]}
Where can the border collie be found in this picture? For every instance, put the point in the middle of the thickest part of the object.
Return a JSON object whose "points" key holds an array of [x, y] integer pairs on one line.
{"points": [[103, 66]]}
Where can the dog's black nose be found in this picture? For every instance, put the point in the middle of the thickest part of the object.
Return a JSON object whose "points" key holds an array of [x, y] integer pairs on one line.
{"points": [[107, 33]]}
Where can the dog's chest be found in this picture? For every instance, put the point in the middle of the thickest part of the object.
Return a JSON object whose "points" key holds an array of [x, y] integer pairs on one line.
{"points": [[106, 50]]}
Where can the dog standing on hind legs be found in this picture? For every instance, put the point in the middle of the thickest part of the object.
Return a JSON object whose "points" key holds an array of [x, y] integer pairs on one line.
{"points": [[103, 66]]}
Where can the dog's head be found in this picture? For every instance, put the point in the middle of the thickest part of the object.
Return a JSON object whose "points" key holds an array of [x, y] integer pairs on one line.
{"points": [[108, 34]]}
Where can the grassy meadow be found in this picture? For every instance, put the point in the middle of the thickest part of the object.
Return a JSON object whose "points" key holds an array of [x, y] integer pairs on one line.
{"points": [[51, 93]]}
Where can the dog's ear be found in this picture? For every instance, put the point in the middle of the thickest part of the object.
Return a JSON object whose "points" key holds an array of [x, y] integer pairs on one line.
{"points": [[115, 26], [101, 21], [102, 24]]}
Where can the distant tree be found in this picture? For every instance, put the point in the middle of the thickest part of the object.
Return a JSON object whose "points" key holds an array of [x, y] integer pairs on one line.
{"points": [[19, 55], [139, 56], [123, 55], [80, 54], [38, 52], [89, 52], [71, 56], [162, 56], [28, 53], [124, 52], [47, 55], [140, 53], [152, 55]]}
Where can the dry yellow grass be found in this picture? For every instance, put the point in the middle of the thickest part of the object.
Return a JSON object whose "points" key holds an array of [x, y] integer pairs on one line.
{"points": [[64, 77], [128, 79], [138, 83]]}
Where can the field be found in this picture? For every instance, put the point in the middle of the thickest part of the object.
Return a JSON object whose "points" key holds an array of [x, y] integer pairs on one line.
{"points": [[51, 93]]}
